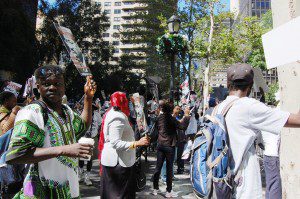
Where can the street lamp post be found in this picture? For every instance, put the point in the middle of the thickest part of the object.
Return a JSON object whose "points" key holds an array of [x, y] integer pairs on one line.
{"points": [[173, 26]]}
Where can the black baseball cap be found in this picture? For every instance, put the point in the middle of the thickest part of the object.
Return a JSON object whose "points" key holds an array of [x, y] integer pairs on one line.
{"points": [[240, 74]]}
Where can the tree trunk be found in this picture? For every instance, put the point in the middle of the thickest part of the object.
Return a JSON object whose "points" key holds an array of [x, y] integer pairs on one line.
{"points": [[289, 81], [206, 73]]}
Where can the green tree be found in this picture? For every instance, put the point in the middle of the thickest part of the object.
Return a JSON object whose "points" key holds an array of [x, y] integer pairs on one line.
{"points": [[148, 22], [270, 95], [17, 40], [87, 24]]}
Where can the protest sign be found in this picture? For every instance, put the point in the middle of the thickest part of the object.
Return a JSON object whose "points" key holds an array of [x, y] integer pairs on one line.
{"points": [[73, 49], [13, 87], [139, 104]]}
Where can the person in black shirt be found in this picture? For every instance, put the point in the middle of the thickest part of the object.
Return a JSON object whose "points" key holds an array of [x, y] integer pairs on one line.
{"points": [[167, 126]]}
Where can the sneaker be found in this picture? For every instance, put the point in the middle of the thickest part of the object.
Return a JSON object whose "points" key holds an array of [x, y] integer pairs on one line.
{"points": [[171, 194], [87, 180], [155, 192]]}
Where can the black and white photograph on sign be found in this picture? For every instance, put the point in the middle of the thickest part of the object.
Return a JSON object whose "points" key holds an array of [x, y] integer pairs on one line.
{"points": [[73, 49]]}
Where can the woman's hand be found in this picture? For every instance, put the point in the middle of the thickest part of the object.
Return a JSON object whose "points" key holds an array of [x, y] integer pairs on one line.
{"points": [[144, 141]]}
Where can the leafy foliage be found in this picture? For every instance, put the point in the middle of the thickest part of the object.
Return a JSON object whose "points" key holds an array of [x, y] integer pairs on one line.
{"points": [[87, 26], [270, 96], [17, 40], [152, 24], [170, 44]]}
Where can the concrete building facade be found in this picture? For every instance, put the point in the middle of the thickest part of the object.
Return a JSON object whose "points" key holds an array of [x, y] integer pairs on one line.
{"points": [[121, 18], [250, 7]]}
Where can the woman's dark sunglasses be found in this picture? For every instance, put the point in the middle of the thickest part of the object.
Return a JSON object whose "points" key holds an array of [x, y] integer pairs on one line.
{"points": [[47, 72]]}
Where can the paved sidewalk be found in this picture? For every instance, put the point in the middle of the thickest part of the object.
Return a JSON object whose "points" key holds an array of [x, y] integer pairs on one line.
{"points": [[181, 186]]}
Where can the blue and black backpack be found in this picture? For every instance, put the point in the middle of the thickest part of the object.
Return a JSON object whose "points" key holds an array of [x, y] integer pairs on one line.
{"points": [[211, 159]]}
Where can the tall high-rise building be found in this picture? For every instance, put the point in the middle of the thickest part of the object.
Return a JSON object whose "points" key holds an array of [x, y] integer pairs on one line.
{"points": [[121, 17], [250, 7]]}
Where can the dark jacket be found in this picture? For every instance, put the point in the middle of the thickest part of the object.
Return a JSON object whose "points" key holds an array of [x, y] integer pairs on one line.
{"points": [[181, 137], [167, 126]]}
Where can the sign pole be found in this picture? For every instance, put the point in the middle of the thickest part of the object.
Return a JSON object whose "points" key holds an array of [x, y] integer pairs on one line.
{"points": [[289, 81]]}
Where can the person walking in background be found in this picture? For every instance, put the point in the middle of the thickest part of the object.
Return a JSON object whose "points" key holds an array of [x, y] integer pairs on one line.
{"points": [[92, 132], [167, 126], [45, 137], [8, 111], [119, 151], [181, 137]]}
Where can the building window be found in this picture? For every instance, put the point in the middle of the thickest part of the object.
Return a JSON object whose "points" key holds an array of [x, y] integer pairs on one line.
{"points": [[97, 12], [116, 43], [106, 43], [116, 27], [117, 3], [107, 11], [116, 35], [105, 34], [267, 5], [258, 13], [98, 4], [116, 50], [107, 3], [117, 11], [128, 3], [257, 5], [117, 18], [115, 58], [126, 51]]}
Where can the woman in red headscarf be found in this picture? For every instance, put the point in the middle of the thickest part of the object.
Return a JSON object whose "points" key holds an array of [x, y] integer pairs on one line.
{"points": [[118, 153]]}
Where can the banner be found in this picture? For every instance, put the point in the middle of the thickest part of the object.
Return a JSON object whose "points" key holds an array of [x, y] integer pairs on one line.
{"points": [[139, 104], [73, 49], [13, 87]]}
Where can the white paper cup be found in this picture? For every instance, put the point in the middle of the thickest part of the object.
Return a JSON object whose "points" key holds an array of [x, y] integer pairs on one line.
{"points": [[85, 140]]}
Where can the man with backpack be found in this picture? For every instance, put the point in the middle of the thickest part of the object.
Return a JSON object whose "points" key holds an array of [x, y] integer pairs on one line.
{"points": [[45, 136], [245, 118]]}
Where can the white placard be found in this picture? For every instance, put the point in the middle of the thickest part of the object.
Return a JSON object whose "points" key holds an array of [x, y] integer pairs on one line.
{"points": [[282, 45], [13, 87]]}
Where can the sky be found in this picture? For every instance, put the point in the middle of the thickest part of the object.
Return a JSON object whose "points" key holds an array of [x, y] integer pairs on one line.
{"points": [[225, 2]]}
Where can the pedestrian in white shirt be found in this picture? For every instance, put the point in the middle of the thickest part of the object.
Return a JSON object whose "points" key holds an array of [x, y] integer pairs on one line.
{"points": [[244, 121], [271, 143]]}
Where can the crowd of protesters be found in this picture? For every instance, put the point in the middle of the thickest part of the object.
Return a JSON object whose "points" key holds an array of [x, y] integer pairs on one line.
{"points": [[44, 136]]}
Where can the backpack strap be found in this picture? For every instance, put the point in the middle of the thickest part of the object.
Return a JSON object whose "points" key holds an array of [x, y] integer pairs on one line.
{"points": [[215, 111], [225, 150], [219, 158], [227, 107]]}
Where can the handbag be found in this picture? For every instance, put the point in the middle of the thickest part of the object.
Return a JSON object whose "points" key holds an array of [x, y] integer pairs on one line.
{"points": [[140, 176]]}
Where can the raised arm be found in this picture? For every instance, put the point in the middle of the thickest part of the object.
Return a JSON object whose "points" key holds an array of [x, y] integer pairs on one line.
{"points": [[89, 89], [293, 121]]}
